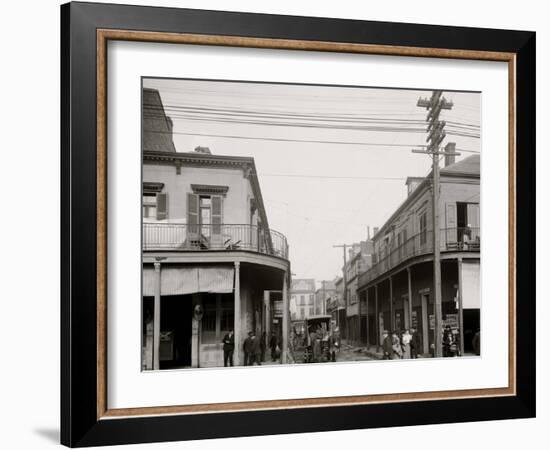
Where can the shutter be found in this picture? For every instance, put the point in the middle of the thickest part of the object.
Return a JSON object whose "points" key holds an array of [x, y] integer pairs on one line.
{"points": [[473, 219], [162, 206], [192, 218], [217, 218], [217, 210], [450, 224]]}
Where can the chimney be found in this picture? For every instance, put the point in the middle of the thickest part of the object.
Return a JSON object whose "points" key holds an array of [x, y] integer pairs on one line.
{"points": [[204, 150], [375, 231], [450, 159]]}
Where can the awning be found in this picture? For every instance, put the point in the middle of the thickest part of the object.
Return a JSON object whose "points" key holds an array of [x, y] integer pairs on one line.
{"points": [[470, 285], [189, 280]]}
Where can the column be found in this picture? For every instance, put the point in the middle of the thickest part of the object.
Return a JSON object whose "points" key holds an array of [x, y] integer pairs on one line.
{"points": [[367, 330], [425, 323], [359, 316], [196, 299], [237, 315], [377, 321], [460, 308], [284, 354], [392, 319], [410, 302], [156, 320], [267, 315]]}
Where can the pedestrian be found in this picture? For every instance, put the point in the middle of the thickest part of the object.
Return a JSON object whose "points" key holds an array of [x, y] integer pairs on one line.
{"points": [[387, 345], [228, 348], [397, 352], [248, 349], [406, 344], [415, 344], [263, 344], [447, 341], [256, 350], [273, 346]]}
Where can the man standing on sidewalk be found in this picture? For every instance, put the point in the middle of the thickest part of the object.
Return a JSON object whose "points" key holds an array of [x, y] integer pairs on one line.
{"points": [[387, 345], [228, 348], [248, 348]]}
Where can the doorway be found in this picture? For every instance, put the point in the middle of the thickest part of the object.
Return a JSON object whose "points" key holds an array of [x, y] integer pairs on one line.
{"points": [[175, 331], [471, 326]]}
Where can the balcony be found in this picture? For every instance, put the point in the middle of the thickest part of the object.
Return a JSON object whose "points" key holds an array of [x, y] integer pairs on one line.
{"points": [[452, 240], [213, 237]]}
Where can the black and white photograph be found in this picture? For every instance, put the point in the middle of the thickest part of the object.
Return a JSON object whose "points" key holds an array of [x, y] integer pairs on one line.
{"points": [[298, 224]]}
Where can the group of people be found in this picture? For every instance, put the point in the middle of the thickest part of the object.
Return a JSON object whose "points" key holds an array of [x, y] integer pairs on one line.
{"points": [[400, 345], [254, 348], [321, 344]]}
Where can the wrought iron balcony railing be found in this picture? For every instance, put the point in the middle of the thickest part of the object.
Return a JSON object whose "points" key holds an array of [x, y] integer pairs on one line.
{"points": [[452, 239], [213, 237]]}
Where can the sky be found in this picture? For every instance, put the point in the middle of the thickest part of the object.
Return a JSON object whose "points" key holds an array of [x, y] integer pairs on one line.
{"points": [[331, 161]]}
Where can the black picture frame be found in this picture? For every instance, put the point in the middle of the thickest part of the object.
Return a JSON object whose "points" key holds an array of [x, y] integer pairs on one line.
{"points": [[80, 425]]}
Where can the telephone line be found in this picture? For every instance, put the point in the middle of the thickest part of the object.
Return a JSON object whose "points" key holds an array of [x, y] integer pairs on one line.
{"points": [[306, 141]]}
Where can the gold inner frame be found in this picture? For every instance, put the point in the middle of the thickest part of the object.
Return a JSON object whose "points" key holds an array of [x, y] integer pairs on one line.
{"points": [[104, 35]]}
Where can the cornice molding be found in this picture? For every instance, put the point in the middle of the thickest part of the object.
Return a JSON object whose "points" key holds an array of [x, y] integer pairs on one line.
{"points": [[209, 189]]}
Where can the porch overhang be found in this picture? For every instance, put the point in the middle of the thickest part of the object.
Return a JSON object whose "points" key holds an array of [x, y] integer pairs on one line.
{"points": [[210, 257]]}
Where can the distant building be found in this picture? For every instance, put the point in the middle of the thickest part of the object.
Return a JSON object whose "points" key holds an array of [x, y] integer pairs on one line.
{"points": [[336, 306], [397, 290], [302, 298], [323, 293], [359, 260], [210, 261]]}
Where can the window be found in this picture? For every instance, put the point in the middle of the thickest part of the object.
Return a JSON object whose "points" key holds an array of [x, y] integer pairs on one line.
{"points": [[155, 205], [423, 228], [311, 299], [227, 320], [311, 311], [149, 206], [208, 322], [204, 216], [302, 299], [302, 313]]}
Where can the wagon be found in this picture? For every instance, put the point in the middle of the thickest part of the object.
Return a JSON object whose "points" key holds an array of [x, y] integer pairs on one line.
{"points": [[316, 328]]}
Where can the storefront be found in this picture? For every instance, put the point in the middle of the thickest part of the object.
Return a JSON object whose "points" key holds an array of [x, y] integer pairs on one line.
{"points": [[229, 297]]}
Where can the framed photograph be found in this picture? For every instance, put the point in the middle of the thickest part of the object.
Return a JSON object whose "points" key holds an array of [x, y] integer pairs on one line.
{"points": [[276, 224]]}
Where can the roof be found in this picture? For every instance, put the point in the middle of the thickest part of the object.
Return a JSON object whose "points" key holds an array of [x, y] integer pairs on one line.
{"points": [[329, 286], [466, 166], [319, 317], [157, 126]]}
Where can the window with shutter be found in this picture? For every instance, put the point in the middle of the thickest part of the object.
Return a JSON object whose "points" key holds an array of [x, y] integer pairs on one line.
{"points": [[217, 213], [473, 220], [451, 224], [149, 206], [162, 206], [216, 221], [423, 228], [192, 218]]}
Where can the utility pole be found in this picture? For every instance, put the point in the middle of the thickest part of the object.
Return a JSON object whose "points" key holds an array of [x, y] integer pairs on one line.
{"points": [[344, 280], [434, 105], [323, 306]]}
